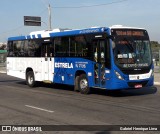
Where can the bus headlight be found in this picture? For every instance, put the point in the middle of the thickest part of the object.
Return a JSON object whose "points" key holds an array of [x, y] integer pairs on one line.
{"points": [[118, 75], [152, 73]]}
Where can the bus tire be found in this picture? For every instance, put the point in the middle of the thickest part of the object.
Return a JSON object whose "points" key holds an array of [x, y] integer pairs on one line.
{"points": [[76, 88], [83, 84], [30, 79]]}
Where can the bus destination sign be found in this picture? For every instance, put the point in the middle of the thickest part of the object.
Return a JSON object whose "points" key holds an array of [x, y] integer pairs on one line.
{"points": [[129, 33]]}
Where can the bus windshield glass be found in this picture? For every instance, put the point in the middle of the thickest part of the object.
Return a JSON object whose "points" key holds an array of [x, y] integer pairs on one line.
{"points": [[131, 48]]}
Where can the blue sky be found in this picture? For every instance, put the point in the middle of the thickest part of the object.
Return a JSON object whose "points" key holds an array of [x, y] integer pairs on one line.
{"points": [[137, 13]]}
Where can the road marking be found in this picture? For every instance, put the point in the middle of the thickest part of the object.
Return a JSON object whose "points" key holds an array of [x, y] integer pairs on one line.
{"points": [[39, 108]]}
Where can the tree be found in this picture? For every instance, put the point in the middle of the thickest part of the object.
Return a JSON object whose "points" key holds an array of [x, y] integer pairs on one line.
{"points": [[3, 47]]}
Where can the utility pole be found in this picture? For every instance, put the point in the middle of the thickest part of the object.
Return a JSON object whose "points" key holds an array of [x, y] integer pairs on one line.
{"points": [[49, 13]]}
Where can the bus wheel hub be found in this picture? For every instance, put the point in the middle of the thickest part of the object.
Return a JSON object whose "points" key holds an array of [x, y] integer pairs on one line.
{"points": [[83, 84]]}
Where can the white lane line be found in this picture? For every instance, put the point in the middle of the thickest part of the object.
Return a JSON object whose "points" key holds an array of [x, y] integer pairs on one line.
{"points": [[39, 108]]}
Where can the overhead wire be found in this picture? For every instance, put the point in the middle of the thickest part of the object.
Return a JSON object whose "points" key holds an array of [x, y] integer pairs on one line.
{"points": [[67, 7], [89, 6]]}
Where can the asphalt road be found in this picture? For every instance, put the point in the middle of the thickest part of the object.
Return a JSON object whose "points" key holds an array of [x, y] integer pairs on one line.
{"points": [[59, 105]]}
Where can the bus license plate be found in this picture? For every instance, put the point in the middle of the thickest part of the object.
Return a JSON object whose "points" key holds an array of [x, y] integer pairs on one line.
{"points": [[138, 86]]}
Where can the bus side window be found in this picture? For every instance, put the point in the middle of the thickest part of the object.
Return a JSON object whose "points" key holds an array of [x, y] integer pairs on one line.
{"points": [[73, 47], [61, 46], [17, 48], [81, 47], [10, 49], [34, 48], [37, 44], [65, 46], [57, 46]]}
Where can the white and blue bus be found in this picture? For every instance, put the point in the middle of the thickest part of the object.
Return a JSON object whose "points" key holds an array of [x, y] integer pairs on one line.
{"points": [[111, 58]]}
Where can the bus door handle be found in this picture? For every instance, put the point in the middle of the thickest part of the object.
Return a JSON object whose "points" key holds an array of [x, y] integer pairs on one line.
{"points": [[46, 57], [50, 57]]}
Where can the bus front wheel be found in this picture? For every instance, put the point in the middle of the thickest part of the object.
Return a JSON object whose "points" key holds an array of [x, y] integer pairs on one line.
{"points": [[30, 80], [83, 84]]}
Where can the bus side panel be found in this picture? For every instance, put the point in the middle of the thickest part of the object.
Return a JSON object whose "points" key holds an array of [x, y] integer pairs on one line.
{"points": [[66, 68], [17, 67]]}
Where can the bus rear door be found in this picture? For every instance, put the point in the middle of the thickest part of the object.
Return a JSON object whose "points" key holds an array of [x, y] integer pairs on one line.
{"points": [[47, 62]]}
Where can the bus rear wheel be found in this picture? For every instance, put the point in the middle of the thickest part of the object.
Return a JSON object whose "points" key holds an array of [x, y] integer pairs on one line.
{"points": [[30, 80], [83, 84]]}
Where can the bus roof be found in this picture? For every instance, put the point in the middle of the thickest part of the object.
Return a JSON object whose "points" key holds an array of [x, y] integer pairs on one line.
{"points": [[124, 27], [65, 32], [59, 32]]}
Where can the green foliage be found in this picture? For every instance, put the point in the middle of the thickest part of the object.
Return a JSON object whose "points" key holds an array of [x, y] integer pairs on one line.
{"points": [[155, 46], [3, 46]]}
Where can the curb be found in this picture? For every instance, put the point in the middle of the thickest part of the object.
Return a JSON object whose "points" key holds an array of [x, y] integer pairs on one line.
{"points": [[157, 83], [3, 72]]}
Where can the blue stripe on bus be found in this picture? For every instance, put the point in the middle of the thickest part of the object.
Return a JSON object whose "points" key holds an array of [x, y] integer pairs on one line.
{"points": [[79, 32], [28, 37], [64, 33], [16, 38], [33, 36], [39, 36]]}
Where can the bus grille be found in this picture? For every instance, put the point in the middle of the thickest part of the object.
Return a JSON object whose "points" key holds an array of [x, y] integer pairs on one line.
{"points": [[132, 84]]}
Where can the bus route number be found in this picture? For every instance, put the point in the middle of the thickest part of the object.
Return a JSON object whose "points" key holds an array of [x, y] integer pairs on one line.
{"points": [[80, 65]]}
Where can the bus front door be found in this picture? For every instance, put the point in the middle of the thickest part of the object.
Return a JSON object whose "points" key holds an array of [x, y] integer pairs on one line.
{"points": [[99, 66], [47, 62]]}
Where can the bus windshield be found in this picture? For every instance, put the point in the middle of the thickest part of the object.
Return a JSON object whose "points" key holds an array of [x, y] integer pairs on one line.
{"points": [[132, 48]]}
